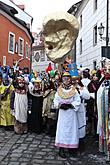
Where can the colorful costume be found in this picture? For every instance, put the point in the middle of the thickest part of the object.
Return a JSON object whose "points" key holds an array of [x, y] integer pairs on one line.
{"points": [[50, 113], [103, 96], [6, 118], [19, 106]]}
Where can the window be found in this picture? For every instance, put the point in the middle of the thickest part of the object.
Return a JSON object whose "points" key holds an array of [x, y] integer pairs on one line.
{"points": [[21, 46], [95, 5], [37, 57], [80, 21], [16, 48], [80, 46], [94, 64], [11, 42], [95, 35], [42, 56], [48, 59], [27, 50]]}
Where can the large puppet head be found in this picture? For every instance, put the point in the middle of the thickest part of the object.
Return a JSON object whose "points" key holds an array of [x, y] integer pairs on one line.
{"points": [[60, 31]]}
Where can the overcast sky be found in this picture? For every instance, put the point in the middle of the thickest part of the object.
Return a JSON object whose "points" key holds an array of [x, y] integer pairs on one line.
{"points": [[39, 8]]}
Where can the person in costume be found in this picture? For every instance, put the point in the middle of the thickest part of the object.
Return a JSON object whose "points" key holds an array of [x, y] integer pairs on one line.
{"points": [[92, 103], [67, 99], [103, 108], [49, 111], [84, 95], [6, 119], [26, 74], [49, 67], [35, 107], [86, 81], [85, 78], [19, 105]]}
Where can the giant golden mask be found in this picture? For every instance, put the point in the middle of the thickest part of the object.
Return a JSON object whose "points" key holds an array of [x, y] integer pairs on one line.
{"points": [[60, 31]]}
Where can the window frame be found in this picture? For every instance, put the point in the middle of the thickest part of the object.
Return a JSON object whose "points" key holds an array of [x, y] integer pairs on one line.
{"points": [[42, 56], [94, 64], [80, 21], [12, 52], [20, 38], [80, 46], [95, 35], [95, 5], [27, 51]]}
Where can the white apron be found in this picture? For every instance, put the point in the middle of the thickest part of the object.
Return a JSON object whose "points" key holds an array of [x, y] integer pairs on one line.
{"points": [[21, 107]]}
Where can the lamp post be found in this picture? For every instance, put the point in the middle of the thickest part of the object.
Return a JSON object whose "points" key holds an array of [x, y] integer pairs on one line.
{"points": [[101, 30]]}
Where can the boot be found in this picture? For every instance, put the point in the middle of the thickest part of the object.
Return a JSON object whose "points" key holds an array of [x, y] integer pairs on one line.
{"points": [[24, 128], [89, 128], [81, 148], [62, 153]]}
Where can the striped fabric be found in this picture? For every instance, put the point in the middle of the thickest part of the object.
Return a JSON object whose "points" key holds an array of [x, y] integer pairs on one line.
{"points": [[104, 130]]}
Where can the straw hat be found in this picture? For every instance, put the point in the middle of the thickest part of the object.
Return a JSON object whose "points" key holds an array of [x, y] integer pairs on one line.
{"points": [[66, 74], [36, 80]]}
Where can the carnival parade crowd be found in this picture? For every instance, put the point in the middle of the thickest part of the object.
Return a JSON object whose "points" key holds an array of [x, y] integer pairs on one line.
{"points": [[63, 106]]}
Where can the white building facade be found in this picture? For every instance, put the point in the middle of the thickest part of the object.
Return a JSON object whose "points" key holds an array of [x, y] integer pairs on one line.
{"points": [[40, 61], [39, 58], [90, 14]]}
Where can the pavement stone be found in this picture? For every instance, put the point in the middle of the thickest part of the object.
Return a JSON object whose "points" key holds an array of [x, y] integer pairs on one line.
{"points": [[33, 149]]}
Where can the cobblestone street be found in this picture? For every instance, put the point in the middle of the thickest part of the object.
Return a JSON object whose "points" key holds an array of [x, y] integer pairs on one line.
{"points": [[33, 149]]}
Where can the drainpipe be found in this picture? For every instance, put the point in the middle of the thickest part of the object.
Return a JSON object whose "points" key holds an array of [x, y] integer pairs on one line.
{"points": [[107, 27]]}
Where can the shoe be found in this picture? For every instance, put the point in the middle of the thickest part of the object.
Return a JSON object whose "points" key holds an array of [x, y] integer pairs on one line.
{"points": [[72, 152], [9, 128], [62, 153]]}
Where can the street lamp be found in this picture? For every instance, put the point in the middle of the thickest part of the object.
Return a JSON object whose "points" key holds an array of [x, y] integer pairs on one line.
{"points": [[104, 49], [101, 31]]}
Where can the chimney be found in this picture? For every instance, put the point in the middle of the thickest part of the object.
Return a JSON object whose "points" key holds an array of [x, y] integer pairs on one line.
{"points": [[22, 7]]}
